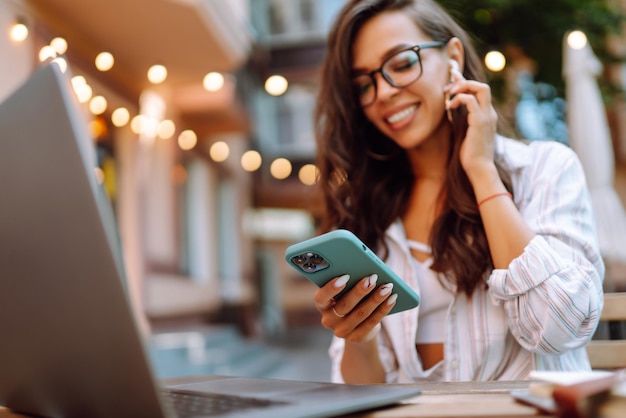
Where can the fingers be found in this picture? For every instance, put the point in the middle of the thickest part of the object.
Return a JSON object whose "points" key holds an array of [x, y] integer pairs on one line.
{"points": [[367, 315], [359, 310], [473, 94], [358, 314], [354, 296], [324, 297]]}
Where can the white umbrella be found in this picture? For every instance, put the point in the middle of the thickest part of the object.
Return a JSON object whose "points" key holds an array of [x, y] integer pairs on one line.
{"points": [[590, 138]]}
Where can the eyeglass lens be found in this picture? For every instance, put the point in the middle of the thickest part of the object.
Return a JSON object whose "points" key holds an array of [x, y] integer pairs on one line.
{"points": [[399, 70]]}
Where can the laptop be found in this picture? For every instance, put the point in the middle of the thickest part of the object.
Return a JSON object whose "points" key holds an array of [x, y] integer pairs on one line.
{"points": [[71, 346]]}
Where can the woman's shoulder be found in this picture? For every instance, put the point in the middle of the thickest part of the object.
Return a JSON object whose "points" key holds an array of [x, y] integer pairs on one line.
{"points": [[517, 154]]}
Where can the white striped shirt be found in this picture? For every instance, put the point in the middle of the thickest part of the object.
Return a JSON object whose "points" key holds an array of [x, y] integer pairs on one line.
{"points": [[537, 314]]}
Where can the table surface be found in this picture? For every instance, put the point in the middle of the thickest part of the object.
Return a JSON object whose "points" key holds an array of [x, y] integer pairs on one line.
{"points": [[459, 399], [450, 399]]}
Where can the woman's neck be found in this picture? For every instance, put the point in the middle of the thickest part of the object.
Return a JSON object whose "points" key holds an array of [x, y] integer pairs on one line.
{"points": [[429, 160]]}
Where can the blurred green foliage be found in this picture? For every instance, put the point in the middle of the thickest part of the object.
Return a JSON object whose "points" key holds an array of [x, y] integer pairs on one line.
{"points": [[538, 27]]}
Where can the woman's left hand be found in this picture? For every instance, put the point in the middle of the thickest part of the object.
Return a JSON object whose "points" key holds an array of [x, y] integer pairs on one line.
{"points": [[477, 149]]}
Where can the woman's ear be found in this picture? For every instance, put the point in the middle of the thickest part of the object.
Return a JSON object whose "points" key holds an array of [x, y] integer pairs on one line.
{"points": [[456, 52]]}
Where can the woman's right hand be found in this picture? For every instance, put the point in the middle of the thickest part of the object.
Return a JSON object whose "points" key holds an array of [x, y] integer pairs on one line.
{"points": [[357, 315]]}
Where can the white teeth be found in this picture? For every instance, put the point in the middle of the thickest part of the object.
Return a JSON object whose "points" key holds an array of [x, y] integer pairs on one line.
{"points": [[397, 117]]}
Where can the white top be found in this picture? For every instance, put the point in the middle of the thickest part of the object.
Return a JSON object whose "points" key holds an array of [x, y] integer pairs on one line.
{"points": [[537, 314], [435, 299]]}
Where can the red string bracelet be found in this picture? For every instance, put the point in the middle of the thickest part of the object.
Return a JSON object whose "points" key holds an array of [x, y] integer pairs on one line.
{"points": [[493, 196]]}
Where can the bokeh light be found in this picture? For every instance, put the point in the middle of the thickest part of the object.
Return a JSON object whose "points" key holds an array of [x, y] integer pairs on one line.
{"points": [[280, 168], [251, 160], [495, 61], [577, 39], [276, 85], [219, 151]]}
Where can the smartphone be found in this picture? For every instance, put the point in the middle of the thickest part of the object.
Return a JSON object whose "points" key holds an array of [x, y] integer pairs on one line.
{"points": [[338, 252]]}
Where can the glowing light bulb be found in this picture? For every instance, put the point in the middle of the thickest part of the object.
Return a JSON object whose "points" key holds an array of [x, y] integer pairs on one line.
{"points": [[46, 53], [280, 168], [120, 117], [495, 61], [219, 151], [251, 160], [157, 74], [19, 32], [167, 129], [187, 139], [308, 174], [137, 123], [104, 61], [577, 39], [213, 81], [276, 85], [59, 45], [98, 105]]}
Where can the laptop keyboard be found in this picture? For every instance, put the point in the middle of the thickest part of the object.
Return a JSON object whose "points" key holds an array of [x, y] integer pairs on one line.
{"points": [[193, 404]]}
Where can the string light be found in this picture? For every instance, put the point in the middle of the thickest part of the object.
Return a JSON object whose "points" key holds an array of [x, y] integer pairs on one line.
{"points": [[62, 63], [219, 151], [577, 39], [167, 128], [157, 74], [213, 81], [59, 45], [495, 61], [46, 53], [18, 32], [280, 168], [98, 105], [136, 124], [276, 85], [104, 61], [251, 160], [187, 140], [120, 117], [308, 174]]}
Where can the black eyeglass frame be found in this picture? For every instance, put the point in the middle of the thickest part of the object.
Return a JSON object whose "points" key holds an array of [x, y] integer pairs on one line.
{"points": [[416, 48]]}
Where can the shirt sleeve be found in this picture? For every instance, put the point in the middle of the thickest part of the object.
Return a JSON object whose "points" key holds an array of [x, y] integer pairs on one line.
{"points": [[552, 292]]}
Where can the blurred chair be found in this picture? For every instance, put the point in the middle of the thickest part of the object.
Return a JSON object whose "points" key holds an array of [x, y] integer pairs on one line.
{"points": [[610, 353]]}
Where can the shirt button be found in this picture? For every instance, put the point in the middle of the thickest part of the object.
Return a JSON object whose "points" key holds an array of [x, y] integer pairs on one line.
{"points": [[454, 364]]}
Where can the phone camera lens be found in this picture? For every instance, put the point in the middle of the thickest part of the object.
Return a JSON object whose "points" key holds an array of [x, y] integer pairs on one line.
{"points": [[309, 267], [298, 259], [316, 258]]}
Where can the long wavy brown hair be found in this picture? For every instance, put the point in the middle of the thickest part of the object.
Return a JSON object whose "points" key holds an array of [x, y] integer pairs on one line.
{"points": [[365, 179]]}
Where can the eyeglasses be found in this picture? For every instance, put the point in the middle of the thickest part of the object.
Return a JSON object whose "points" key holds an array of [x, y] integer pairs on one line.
{"points": [[399, 70]]}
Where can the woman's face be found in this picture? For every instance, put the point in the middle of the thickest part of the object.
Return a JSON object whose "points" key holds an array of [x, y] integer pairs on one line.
{"points": [[408, 115]]}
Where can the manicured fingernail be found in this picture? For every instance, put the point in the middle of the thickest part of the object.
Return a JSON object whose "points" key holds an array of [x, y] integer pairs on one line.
{"points": [[392, 299], [342, 280], [386, 289], [371, 281]]}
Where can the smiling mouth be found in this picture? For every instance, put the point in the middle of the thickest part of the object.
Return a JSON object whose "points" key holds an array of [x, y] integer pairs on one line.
{"points": [[401, 115]]}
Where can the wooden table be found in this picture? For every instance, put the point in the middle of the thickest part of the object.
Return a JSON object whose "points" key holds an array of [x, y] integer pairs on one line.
{"points": [[463, 399], [450, 400]]}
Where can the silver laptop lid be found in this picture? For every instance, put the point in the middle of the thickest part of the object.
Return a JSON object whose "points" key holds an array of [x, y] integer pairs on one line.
{"points": [[65, 349]]}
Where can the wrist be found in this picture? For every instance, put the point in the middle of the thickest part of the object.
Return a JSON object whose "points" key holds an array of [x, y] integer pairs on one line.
{"points": [[485, 181]]}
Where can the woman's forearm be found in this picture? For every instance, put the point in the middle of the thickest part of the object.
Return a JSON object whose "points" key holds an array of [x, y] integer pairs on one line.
{"points": [[361, 363]]}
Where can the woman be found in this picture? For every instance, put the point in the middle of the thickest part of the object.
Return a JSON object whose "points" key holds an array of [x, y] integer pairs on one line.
{"points": [[496, 236]]}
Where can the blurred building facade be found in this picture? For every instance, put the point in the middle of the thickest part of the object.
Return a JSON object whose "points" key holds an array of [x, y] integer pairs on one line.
{"points": [[194, 224], [203, 236]]}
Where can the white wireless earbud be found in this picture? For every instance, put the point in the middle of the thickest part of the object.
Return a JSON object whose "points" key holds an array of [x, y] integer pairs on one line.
{"points": [[454, 75], [454, 68]]}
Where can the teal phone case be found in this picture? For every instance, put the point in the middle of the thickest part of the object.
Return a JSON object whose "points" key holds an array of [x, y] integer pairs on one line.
{"points": [[339, 252]]}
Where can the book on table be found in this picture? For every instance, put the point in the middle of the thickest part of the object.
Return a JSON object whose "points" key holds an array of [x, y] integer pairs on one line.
{"points": [[588, 394]]}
